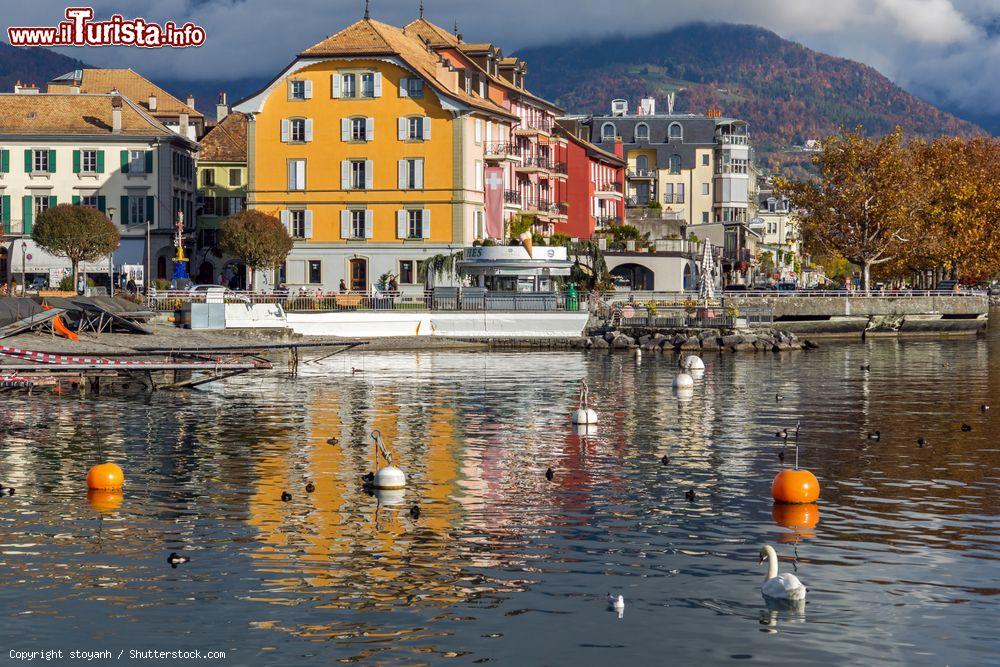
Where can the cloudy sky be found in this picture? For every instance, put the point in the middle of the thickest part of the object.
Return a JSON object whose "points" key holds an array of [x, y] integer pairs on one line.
{"points": [[947, 51]]}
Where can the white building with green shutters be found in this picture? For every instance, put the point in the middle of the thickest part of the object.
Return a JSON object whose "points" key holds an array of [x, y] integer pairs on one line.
{"points": [[102, 151]]}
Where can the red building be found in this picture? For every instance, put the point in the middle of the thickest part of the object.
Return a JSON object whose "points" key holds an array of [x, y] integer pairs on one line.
{"points": [[594, 187]]}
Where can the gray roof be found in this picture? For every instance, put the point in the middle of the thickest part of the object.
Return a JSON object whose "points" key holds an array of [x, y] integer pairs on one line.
{"points": [[698, 131]]}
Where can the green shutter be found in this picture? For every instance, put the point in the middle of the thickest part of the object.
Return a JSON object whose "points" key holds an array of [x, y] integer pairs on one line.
{"points": [[124, 162], [76, 200], [4, 161], [100, 162], [52, 202], [149, 162], [125, 220], [27, 161], [101, 204], [52, 162], [5, 213], [150, 209], [27, 209], [76, 162]]}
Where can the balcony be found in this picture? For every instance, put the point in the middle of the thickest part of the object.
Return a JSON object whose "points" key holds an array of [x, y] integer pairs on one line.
{"points": [[497, 151], [530, 127], [512, 197], [608, 190], [544, 208], [605, 221], [642, 174], [646, 213], [733, 139]]}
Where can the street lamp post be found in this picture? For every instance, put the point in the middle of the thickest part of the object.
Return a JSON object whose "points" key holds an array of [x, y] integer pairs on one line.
{"points": [[111, 256], [24, 252]]}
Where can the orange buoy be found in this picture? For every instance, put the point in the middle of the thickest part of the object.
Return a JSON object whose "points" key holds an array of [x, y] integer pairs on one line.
{"points": [[795, 486], [106, 476], [104, 501]]}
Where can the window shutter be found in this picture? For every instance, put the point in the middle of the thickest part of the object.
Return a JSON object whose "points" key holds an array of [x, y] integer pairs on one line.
{"points": [[5, 213], [345, 129], [124, 210], [309, 89], [4, 161], [285, 218], [427, 128], [402, 174], [52, 162], [425, 226], [150, 208], [149, 162], [27, 161], [27, 209], [479, 130], [291, 174], [370, 128], [345, 224], [419, 184], [489, 131], [53, 202], [309, 129], [401, 127], [378, 84], [286, 130], [335, 85], [401, 224], [369, 223], [345, 174], [75, 199], [309, 224], [102, 205], [369, 176], [124, 162], [100, 162], [76, 162], [403, 92]]}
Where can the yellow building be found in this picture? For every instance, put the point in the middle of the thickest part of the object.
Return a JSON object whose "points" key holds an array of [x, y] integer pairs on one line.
{"points": [[361, 147]]}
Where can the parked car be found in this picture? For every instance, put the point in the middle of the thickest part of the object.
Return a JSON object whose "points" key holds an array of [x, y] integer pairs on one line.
{"points": [[785, 286], [735, 288]]}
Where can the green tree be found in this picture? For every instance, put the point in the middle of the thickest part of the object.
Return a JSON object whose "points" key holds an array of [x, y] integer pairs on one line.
{"points": [[77, 233], [258, 239]]}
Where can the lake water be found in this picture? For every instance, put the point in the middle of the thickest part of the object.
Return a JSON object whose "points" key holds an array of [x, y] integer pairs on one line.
{"points": [[502, 565]]}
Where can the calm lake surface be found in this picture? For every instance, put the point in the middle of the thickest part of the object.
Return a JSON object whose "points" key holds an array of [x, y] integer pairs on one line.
{"points": [[503, 566]]}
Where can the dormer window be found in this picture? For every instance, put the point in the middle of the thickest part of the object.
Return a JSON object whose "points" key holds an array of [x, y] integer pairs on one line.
{"points": [[642, 132], [675, 132], [608, 132]]}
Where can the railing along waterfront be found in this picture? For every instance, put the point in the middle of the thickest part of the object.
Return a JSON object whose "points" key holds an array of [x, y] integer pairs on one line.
{"points": [[442, 299]]}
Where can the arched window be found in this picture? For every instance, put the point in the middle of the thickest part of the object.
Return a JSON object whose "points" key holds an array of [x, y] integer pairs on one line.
{"points": [[675, 131], [608, 131], [675, 164], [642, 132], [641, 163]]}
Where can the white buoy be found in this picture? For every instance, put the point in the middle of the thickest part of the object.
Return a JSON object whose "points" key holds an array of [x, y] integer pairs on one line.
{"points": [[683, 381], [388, 477], [583, 413], [694, 362], [683, 393]]}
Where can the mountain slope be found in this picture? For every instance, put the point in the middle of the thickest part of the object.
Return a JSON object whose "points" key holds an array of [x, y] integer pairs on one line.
{"points": [[786, 92], [32, 65]]}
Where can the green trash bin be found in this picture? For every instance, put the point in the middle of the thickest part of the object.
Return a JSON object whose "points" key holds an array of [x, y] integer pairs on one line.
{"points": [[572, 299]]}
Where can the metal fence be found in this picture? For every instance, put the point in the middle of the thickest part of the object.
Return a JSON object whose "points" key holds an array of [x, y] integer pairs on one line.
{"points": [[441, 299]]}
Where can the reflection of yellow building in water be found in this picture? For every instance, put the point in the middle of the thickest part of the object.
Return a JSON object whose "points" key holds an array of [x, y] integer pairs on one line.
{"points": [[341, 540]]}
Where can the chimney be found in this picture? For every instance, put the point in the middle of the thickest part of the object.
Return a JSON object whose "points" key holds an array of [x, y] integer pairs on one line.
{"points": [[25, 89], [190, 101], [670, 103], [74, 90], [152, 102], [647, 106], [619, 148], [116, 114], [222, 108], [182, 128]]}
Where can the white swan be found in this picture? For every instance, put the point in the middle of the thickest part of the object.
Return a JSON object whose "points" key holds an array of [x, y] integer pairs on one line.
{"points": [[785, 586]]}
